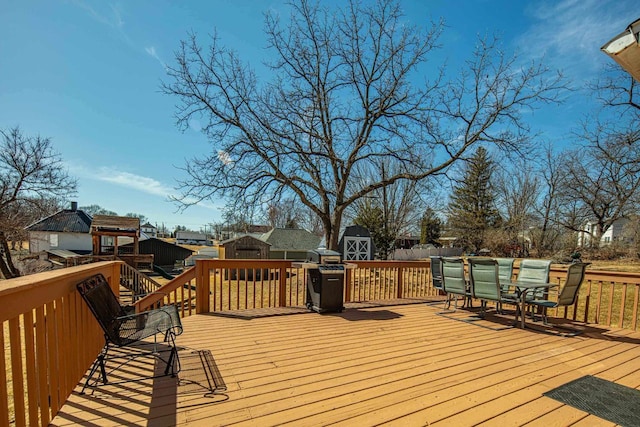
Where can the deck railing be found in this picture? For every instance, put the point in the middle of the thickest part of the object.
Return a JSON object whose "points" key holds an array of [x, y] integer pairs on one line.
{"points": [[50, 338], [607, 298]]}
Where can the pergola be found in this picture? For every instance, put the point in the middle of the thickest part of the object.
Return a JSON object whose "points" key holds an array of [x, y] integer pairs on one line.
{"points": [[116, 227]]}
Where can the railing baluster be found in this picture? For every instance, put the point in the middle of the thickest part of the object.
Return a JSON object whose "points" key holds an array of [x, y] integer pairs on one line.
{"points": [[4, 393], [30, 362], [623, 300], [16, 370], [634, 315], [41, 366]]}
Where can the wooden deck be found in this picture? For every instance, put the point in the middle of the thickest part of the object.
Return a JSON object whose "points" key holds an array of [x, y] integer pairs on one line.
{"points": [[395, 365]]}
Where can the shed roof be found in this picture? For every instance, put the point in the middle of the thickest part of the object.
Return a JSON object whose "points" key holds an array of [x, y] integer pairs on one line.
{"points": [[63, 253], [291, 239], [64, 221], [245, 238], [148, 245]]}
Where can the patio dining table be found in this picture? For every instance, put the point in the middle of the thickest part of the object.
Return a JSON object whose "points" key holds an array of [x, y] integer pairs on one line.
{"points": [[522, 288]]}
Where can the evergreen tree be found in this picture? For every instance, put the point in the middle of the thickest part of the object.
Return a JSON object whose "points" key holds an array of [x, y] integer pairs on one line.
{"points": [[472, 208], [430, 227]]}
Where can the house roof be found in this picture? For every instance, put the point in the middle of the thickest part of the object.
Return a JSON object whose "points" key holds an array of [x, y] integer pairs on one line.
{"points": [[64, 221], [625, 49], [289, 239]]}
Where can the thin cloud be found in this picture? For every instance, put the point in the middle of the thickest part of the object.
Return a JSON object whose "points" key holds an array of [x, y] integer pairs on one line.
{"points": [[151, 51], [136, 182], [569, 33], [113, 20]]}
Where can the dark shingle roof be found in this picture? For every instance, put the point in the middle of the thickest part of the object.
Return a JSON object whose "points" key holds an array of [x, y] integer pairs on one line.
{"points": [[289, 239], [67, 220]]}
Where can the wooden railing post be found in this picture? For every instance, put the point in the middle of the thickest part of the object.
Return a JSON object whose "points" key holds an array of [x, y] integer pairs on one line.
{"points": [[203, 286], [282, 287], [399, 281], [347, 285]]}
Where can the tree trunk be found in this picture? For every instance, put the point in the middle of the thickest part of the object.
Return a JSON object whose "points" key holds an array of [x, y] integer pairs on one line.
{"points": [[7, 268]]}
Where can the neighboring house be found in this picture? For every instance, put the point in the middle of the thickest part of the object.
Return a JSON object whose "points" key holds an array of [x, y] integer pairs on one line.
{"points": [[290, 243], [204, 253], [67, 229], [615, 233], [149, 230], [406, 241], [190, 238]]}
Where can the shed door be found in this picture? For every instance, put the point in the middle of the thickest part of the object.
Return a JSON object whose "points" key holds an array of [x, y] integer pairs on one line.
{"points": [[357, 248]]}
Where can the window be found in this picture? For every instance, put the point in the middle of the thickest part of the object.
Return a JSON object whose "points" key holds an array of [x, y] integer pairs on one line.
{"points": [[53, 240]]}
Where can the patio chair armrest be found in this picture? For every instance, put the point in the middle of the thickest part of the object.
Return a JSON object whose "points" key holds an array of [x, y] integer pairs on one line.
{"points": [[131, 316]]}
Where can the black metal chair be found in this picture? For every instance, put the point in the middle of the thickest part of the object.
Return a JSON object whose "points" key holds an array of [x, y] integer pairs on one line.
{"points": [[122, 327], [435, 270]]}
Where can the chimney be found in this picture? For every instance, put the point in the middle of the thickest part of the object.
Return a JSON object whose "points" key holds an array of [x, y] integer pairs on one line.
{"points": [[74, 206]]}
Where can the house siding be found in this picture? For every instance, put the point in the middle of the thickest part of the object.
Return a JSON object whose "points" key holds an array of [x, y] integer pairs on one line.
{"points": [[42, 241]]}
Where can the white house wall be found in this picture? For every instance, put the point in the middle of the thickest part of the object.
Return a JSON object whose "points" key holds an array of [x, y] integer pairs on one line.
{"points": [[613, 233], [46, 240]]}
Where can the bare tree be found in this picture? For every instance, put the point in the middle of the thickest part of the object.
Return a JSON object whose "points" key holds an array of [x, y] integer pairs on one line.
{"points": [[616, 89], [547, 233], [517, 191], [388, 211], [345, 91], [284, 214], [31, 177], [97, 210], [601, 180]]}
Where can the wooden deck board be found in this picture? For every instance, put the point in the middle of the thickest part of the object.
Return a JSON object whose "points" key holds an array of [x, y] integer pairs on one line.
{"points": [[401, 365]]}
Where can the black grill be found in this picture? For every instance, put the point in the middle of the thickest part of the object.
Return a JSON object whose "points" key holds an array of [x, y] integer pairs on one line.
{"points": [[325, 281]]}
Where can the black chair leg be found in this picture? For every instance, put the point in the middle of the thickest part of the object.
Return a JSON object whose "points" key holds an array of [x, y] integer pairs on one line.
{"points": [[99, 363]]}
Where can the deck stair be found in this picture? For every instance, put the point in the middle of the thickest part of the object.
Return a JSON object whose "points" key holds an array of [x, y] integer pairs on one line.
{"points": [[136, 283]]}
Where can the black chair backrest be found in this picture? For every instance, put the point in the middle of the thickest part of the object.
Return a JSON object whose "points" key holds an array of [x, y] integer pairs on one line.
{"points": [[104, 305], [436, 271]]}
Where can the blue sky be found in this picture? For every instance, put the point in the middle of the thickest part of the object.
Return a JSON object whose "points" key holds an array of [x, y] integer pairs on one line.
{"points": [[87, 74]]}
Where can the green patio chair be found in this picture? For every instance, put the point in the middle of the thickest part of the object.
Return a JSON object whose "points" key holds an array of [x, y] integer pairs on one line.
{"points": [[485, 282], [454, 280], [534, 271], [505, 273], [567, 295]]}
